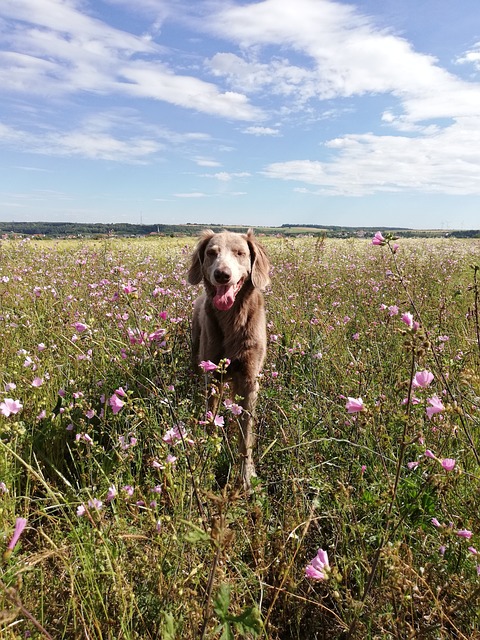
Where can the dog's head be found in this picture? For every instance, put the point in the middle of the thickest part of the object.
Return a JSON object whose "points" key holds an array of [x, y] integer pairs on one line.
{"points": [[227, 260]]}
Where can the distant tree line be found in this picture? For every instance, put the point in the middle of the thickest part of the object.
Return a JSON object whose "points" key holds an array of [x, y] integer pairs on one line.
{"points": [[77, 229]]}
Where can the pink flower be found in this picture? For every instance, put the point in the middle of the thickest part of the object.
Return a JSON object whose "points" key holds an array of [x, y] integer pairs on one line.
{"points": [[176, 434], [473, 551], [435, 522], [318, 568], [429, 454], [80, 326], [116, 403], [407, 318], [120, 392], [422, 379], [129, 288], [20, 525], [81, 510], [217, 420], [84, 437], [354, 405], [37, 382], [111, 493], [436, 406], [413, 465], [124, 445], [208, 365], [95, 503], [10, 407], [393, 310], [464, 533], [448, 464], [236, 409], [378, 239]]}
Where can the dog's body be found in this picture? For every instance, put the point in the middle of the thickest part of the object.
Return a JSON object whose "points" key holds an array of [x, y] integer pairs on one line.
{"points": [[229, 319]]}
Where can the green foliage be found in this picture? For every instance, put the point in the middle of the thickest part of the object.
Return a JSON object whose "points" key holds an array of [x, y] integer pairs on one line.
{"points": [[122, 541], [247, 622]]}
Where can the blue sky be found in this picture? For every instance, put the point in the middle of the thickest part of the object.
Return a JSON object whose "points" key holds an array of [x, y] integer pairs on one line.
{"points": [[364, 113]]}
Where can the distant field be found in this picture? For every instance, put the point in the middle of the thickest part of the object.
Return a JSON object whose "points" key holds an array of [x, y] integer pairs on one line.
{"points": [[68, 229], [368, 446]]}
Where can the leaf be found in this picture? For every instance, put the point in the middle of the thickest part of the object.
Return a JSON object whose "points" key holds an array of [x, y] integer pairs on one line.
{"points": [[196, 534], [167, 629], [248, 621], [222, 602]]}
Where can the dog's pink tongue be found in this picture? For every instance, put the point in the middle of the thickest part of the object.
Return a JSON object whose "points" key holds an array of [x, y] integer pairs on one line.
{"points": [[225, 297]]}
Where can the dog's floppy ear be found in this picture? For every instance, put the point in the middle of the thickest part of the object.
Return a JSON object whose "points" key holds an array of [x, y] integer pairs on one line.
{"points": [[260, 263], [195, 273]]}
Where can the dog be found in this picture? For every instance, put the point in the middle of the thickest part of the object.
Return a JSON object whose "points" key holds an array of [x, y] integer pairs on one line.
{"points": [[229, 320]]}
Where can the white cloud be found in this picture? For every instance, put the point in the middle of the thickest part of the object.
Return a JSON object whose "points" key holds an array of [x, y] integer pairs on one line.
{"points": [[261, 131], [58, 49], [443, 161], [472, 56], [192, 194], [101, 137], [336, 52], [206, 162], [151, 80], [224, 176]]}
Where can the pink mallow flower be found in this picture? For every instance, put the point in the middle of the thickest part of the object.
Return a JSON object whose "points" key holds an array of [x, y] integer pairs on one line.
{"points": [[217, 420], [354, 405], [176, 434], [20, 525], [448, 464], [111, 493], [464, 533], [10, 407], [208, 365], [422, 379], [236, 409], [407, 318], [116, 403], [436, 406], [318, 568], [378, 239], [80, 326]]}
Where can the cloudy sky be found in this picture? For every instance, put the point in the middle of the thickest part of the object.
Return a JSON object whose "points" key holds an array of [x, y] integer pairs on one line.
{"points": [[361, 113]]}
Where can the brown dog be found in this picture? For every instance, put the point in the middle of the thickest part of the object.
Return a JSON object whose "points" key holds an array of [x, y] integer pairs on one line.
{"points": [[229, 319]]}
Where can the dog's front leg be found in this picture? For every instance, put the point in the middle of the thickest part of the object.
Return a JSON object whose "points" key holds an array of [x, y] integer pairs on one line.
{"points": [[248, 389]]}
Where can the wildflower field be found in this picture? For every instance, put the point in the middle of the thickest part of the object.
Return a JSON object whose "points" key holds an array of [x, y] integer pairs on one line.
{"points": [[119, 513]]}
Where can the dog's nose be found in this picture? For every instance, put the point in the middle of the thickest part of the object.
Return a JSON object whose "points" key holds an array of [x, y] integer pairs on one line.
{"points": [[222, 276]]}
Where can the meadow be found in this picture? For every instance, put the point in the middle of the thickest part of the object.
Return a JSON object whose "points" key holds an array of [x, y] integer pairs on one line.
{"points": [[119, 512]]}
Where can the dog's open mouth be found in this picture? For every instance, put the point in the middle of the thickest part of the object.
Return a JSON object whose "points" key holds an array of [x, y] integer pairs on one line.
{"points": [[225, 295]]}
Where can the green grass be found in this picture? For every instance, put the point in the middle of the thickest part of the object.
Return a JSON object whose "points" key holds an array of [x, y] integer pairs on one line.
{"points": [[179, 552]]}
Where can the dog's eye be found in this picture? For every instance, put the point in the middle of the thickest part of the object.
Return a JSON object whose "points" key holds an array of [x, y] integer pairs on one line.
{"points": [[211, 252], [239, 252]]}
